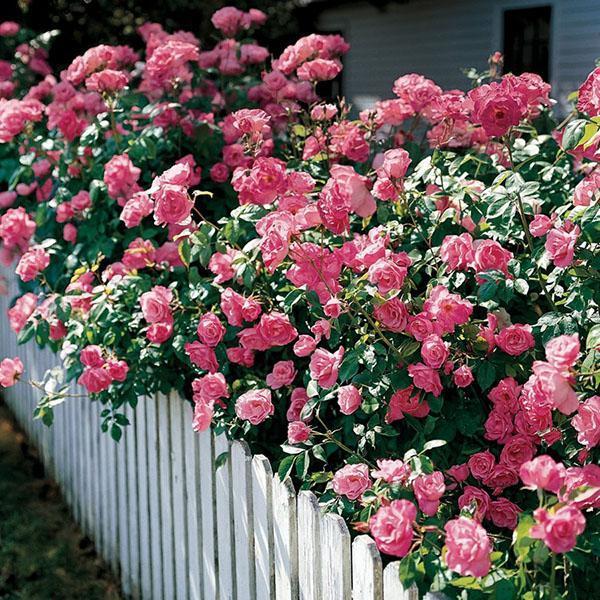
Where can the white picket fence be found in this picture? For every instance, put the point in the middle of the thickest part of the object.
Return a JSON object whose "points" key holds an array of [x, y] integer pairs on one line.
{"points": [[174, 526]]}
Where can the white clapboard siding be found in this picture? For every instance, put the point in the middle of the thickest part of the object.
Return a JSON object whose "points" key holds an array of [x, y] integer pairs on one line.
{"points": [[172, 524]]}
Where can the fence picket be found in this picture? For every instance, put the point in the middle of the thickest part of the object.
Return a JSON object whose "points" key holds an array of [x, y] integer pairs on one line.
{"points": [[285, 538], [367, 574], [133, 533], [262, 505], [226, 548], [309, 555], [392, 586], [243, 525], [193, 506], [166, 496], [180, 527], [335, 558], [145, 476], [207, 489]]}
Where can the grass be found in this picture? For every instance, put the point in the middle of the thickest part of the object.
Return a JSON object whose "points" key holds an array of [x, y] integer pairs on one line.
{"points": [[43, 554]]}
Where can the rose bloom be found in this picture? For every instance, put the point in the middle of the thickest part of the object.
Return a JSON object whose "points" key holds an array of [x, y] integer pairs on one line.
{"points": [[558, 529], [562, 352], [351, 481], [490, 255], [428, 490], [391, 471], [10, 371], [172, 205], [463, 377], [425, 378], [95, 379], [298, 399], [349, 399], [517, 450], [560, 246], [91, 356], [587, 422], [276, 330], [32, 263], [475, 499], [305, 345], [155, 304], [481, 464], [457, 251], [392, 315], [324, 366], [392, 527], [542, 472], [540, 225], [118, 369], [504, 513], [209, 388], [515, 339], [202, 356], [283, 374], [157, 333], [210, 329], [255, 406], [434, 351], [203, 414], [468, 547], [298, 432]]}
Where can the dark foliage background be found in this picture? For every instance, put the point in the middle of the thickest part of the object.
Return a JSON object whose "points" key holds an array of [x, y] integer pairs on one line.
{"points": [[86, 23]]}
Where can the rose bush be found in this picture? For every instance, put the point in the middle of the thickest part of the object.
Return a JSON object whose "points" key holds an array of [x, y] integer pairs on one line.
{"points": [[400, 307]]}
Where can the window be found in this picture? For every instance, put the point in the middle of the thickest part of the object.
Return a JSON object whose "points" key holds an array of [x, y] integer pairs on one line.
{"points": [[527, 41]]}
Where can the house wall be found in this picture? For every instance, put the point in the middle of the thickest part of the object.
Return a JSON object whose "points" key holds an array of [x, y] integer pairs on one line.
{"points": [[438, 38]]}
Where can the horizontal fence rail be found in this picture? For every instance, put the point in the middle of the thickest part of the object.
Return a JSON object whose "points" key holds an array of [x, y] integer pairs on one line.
{"points": [[172, 523]]}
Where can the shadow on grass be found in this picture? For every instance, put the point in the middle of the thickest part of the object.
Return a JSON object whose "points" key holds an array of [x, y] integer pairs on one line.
{"points": [[43, 554]]}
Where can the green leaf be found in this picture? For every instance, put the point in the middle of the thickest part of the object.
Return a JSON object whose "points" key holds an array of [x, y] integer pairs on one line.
{"points": [[593, 338], [286, 466], [486, 375]]}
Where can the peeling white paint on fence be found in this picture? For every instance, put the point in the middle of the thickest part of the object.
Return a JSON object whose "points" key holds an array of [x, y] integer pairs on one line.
{"points": [[178, 522]]}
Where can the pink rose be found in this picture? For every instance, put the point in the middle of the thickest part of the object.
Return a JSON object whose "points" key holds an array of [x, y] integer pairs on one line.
{"points": [[10, 371], [515, 339], [468, 547], [387, 275], [202, 356], [458, 472], [203, 414], [155, 304], [240, 356], [391, 471], [157, 333], [540, 225], [305, 345], [136, 208], [481, 464], [393, 315], [298, 399], [254, 406], [210, 388], [543, 473], [560, 246], [276, 330], [392, 527], [463, 377], [118, 369], [23, 308], [425, 378], [476, 500], [324, 366], [349, 399], [504, 513], [562, 352], [91, 356], [587, 422], [95, 379], [457, 251], [434, 351], [298, 432], [107, 81], [428, 490], [172, 205], [558, 529], [120, 176], [32, 263], [210, 329], [549, 386], [496, 108], [351, 481], [517, 450], [490, 255], [283, 374]]}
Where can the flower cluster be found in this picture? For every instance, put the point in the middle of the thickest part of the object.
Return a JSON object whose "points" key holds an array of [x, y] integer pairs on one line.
{"points": [[399, 307]]}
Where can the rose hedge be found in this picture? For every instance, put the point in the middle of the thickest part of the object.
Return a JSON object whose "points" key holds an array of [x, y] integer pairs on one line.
{"points": [[400, 308]]}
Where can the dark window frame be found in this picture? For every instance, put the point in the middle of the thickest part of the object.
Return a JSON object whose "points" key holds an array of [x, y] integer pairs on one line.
{"points": [[527, 39]]}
